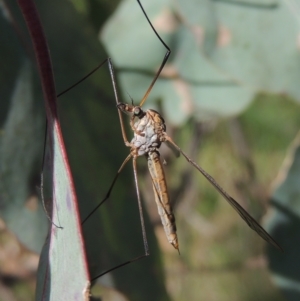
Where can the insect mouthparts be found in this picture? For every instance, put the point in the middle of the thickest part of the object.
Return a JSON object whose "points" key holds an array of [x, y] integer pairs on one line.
{"points": [[121, 106]]}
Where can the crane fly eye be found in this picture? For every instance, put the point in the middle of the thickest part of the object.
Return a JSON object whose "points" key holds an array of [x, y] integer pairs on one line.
{"points": [[137, 111]]}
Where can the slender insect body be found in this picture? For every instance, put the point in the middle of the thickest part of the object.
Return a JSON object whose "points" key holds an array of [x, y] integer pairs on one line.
{"points": [[149, 132]]}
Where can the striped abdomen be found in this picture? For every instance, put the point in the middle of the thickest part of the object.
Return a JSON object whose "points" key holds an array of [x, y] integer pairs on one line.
{"points": [[162, 197]]}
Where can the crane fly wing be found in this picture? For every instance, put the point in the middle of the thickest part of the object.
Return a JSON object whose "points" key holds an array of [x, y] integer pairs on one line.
{"points": [[251, 222]]}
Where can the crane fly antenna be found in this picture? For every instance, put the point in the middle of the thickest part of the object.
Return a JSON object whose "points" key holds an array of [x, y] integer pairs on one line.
{"points": [[130, 98], [166, 57]]}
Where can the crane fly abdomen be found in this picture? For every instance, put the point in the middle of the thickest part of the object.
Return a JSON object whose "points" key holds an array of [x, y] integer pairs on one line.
{"points": [[162, 197]]}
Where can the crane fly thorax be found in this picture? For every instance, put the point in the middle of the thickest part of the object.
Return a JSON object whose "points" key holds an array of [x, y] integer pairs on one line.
{"points": [[148, 132]]}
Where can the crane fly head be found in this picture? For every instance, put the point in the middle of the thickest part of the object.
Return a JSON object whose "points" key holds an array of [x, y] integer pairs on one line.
{"points": [[136, 111]]}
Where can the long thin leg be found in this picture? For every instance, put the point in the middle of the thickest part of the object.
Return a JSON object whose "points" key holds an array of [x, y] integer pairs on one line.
{"points": [[112, 75], [252, 223], [110, 188], [140, 208], [146, 248], [166, 57], [81, 80], [119, 266]]}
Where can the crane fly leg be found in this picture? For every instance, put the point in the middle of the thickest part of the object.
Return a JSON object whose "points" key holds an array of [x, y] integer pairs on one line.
{"points": [[164, 61], [141, 215], [110, 188], [113, 80], [146, 248]]}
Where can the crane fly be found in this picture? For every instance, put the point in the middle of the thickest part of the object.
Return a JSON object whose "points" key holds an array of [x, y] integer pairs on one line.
{"points": [[149, 132]]}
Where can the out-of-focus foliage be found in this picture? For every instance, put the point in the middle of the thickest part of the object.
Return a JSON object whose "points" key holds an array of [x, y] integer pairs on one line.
{"points": [[22, 131], [223, 53]]}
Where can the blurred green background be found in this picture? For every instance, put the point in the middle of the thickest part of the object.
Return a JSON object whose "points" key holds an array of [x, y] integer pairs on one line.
{"points": [[230, 97]]}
